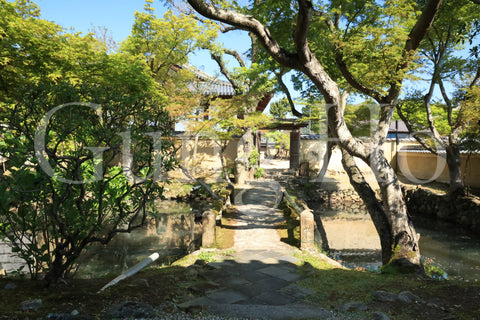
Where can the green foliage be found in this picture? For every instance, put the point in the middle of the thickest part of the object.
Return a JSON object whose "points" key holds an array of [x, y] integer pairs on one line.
{"points": [[225, 120], [370, 35], [314, 115], [455, 28], [254, 157], [208, 256], [259, 173], [435, 272], [165, 44], [280, 138], [280, 109], [166, 41], [50, 222], [361, 119], [414, 109]]}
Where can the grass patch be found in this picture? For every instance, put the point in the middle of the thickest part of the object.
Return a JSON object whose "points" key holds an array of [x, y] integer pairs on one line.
{"points": [[289, 228], [154, 286], [334, 287], [208, 256]]}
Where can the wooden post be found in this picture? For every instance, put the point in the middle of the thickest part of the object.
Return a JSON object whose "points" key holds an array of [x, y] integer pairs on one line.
{"points": [[294, 149]]}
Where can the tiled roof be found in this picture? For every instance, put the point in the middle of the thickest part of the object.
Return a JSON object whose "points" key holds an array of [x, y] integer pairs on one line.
{"points": [[208, 85], [215, 87], [421, 149], [313, 136]]}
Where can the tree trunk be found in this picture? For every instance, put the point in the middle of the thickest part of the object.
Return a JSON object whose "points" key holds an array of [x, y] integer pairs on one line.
{"points": [[375, 209], [224, 166], [244, 149], [405, 252], [454, 163]]}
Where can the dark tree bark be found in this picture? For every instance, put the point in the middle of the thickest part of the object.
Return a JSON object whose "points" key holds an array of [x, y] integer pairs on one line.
{"points": [[377, 212], [454, 163]]}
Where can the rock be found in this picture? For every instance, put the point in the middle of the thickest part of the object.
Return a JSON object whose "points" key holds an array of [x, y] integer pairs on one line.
{"points": [[75, 312], [353, 306], [3, 273], [408, 297], [34, 304], [384, 296], [66, 316], [168, 307], [200, 262], [131, 309], [379, 316], [191, 272], [10, 286]]}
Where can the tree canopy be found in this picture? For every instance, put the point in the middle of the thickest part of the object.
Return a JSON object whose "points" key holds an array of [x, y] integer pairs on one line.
{"points": [[85, 134], [368, 47]]}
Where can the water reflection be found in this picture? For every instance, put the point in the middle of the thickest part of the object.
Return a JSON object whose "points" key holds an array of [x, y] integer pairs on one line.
{"points": [[171, 231], [354, 242], [453, 249]]}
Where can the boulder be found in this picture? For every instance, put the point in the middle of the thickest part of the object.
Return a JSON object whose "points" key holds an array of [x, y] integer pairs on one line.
{"points": [[379, 316], [408, 297], [34, 304], [384, 296], [352, 306]]}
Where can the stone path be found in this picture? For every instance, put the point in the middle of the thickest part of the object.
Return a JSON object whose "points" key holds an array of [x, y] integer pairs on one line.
{"points": [[260, 281]]}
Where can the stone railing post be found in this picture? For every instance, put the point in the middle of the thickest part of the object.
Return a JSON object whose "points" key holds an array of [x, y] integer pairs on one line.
{"points": [[208, 228], [307, 230]]}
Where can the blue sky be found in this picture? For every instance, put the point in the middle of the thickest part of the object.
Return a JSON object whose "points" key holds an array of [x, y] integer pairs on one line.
{"points": [[115, 15], [118, 17]]}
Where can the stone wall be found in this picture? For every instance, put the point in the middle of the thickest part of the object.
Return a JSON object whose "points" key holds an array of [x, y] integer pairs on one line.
{"points": [[463, 211], [346, 201], [9, 262], [201, 157]]}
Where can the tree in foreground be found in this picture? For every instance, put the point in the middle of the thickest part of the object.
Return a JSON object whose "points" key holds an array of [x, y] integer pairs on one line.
{"points": [[363, 47], [455, 118], [85, 134]]}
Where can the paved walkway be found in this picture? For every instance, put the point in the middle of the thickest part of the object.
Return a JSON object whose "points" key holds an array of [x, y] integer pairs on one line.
{"points": [[260, 281]]}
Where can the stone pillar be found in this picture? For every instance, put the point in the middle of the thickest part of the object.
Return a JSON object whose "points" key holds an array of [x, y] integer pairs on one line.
{"points": [[294, 149], [208, 228], [307, 230]]}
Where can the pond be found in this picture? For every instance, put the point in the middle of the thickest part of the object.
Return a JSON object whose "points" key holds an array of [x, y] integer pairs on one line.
{"points": [[172, 232], [355, 243]]}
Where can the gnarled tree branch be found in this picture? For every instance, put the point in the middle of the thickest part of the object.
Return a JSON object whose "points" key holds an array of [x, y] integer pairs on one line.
{"points": [[236, 55], [414, 39], [279, 76]]}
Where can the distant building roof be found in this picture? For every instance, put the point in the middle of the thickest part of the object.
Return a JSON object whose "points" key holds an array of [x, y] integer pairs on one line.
{"points": [[286, 124], [313, 136], [398, 126], [209, 85]]}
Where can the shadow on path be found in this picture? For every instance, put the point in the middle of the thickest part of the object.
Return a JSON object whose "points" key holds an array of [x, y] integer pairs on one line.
{"points": [[260, 280]]}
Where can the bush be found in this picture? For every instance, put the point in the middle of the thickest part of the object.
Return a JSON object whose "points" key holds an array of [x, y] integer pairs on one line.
{"points": [[259, 173], [64, 187]]}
